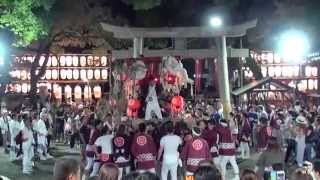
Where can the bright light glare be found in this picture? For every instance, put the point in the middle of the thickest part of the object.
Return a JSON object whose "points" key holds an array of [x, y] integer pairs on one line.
{"points": [[294, 45], [216, 21]]}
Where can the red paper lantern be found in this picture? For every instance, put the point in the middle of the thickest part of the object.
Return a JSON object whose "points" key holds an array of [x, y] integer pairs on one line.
{"points": [[177, 104], [134, 104], [132, 113], [170, 78]]}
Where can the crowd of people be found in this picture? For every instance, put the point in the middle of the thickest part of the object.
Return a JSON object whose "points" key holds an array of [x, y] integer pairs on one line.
{"points": [[198, 144]]}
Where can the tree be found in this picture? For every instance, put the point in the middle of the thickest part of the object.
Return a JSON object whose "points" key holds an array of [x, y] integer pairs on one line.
{"points": [[28, 20]]}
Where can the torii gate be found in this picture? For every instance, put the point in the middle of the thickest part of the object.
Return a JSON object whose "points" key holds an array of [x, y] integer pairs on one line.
{"points": [[137, 34]]}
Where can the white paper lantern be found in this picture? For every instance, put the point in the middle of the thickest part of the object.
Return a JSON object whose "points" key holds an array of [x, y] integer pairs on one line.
{"points": [[18, 88], [41, 60], [24, 88], [104, 74], [90, 61], [97, 91], [75, 74], [277, 70], [75, 60], [67, 92], [104, 61], [63, 74], [69, 60], [57, 91], [54, 74], [83, 61], [308, 70], [97, 74], [90, 74], [54, 61], [49, 61], [77, 93], [62, 61], [83, 74], [277, 59], [314, 71], [87, 92], [316, 84], [310, 84], [271, 71], [48, 74], [24, 75], [69, 74]]}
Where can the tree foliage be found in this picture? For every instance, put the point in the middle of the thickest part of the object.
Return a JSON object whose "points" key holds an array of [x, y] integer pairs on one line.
{"points": [[27, 19]]}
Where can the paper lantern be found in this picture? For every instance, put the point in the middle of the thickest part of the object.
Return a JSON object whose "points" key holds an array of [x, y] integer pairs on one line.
{"points": [[49, 61], [132, 113], [90, 61], [87, 92], [177, 104], [62, 61], [67, 92], [134, 104], [96, 61], [104, 74], [41, 60], [24, 88], [75, 74], [48, 74], [83, 61], [316, 84], [77, 92], [314, 71], [63, 74], [264, 71], [75, 60], [23, 75], [69, 74], [90, 74], [277, 70], [57, 91], [18, 88], [54, 74], [310, 84], [69, 60], [83, 74], [97, 74], [104, 61], [97, 92], [271, 71], [277, 59], [54, 61], [308, 70]]}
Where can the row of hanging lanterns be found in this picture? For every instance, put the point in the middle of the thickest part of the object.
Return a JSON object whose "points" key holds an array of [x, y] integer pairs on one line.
{"points": [[57, 90], [75, 74], [71, 60], [288, 71]]}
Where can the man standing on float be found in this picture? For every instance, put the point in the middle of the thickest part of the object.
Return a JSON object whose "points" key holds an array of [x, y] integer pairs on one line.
{"points": [[152, 103]]}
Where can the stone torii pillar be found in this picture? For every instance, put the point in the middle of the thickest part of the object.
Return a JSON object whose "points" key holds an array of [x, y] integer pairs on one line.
{"points": [[220, 34]]}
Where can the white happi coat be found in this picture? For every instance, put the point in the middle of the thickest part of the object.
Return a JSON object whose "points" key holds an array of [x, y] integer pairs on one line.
{"points": [[27, 147], [42, 132], [152, 104]]}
